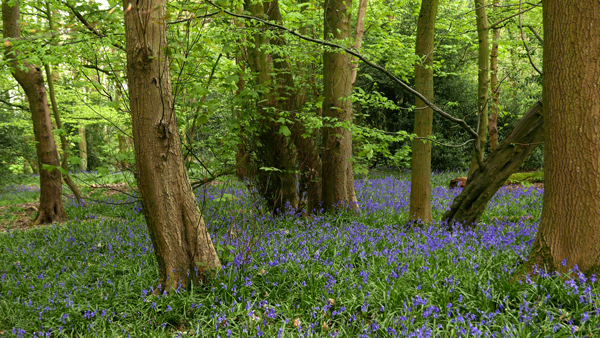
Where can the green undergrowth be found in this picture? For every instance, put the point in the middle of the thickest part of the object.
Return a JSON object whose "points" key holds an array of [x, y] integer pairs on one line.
{"points": [[337, 275]]}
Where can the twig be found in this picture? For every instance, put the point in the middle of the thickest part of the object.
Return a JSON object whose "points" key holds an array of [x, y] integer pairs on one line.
{"points": [[525, 43]]}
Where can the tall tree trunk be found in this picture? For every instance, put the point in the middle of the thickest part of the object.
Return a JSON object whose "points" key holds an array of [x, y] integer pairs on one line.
{"points": [[63, 139], [493, 120], [179, 236], [570, 225], [82, 147], [275, 152], [420, 184], [358, 35], [483, 83], [32, 81], [338, 178], [242, 155], [309, 161], [467, 208]]}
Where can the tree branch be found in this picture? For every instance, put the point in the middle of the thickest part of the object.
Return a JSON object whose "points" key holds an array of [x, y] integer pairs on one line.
{"points": [[525, 44], [88, 25], [435, 108]]}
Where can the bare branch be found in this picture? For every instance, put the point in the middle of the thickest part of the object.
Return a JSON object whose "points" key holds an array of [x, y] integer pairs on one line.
{"points": [[525, 44]]}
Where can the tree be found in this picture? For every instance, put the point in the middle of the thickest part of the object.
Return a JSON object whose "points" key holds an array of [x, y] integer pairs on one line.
{"points": [[179, 236], [467, 208], [30, 78], [569, 230], [420, 183], [276, 175], [493, 119], [483, 84], [337, 173]]}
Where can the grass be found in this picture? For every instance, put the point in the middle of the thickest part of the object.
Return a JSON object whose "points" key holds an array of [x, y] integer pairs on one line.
{"points": [[341, 275]]}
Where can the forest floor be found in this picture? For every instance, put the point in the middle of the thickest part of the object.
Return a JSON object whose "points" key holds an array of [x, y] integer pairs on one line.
{"points": [[332, 275]]}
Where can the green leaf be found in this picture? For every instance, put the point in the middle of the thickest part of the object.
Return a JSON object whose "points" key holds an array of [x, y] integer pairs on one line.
{"points": [[232, 78], [102, 171], [285, 130], [62, 170], [74, 160], [270, 169], [48, 167], [59, 132]]}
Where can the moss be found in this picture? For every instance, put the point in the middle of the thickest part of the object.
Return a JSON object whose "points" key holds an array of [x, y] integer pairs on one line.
{"points": [[533, 177]]}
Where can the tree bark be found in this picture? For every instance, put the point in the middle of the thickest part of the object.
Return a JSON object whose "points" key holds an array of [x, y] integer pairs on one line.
{"points": [[467, 208], [570, 225], [338, 177], [493, 120], [483, 84], [277, 184], [32, 81], [420, 191], [83, 147], [358, 35], [181, 242]]}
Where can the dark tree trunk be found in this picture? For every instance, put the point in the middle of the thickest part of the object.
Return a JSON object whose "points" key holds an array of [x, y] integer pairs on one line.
{"points": [[32, 81], [467, 208], [179, 236], [570, 225], [278, 183], [338, 177], [420, 183]]}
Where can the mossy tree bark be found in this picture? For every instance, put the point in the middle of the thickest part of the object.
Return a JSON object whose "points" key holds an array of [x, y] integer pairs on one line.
{"points": [[570, 225], [181, 242], [32, 81], [467, 208], [420, 184], [338, 176], [483, 82]]}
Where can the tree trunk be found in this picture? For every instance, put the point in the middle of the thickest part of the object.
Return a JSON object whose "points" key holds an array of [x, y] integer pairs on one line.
{"points": [[338, 177], [570, 225], [358, 35], [63, 139], [467, 208], [83, 147], [278, 183], [123, 151], [179, 236], [31, 80], [493, 120], [242, 155], [483, 84], [420, 184]]}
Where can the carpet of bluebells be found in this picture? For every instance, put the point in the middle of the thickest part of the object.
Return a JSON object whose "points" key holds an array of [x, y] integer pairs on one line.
{"points": [[341, 275]]}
